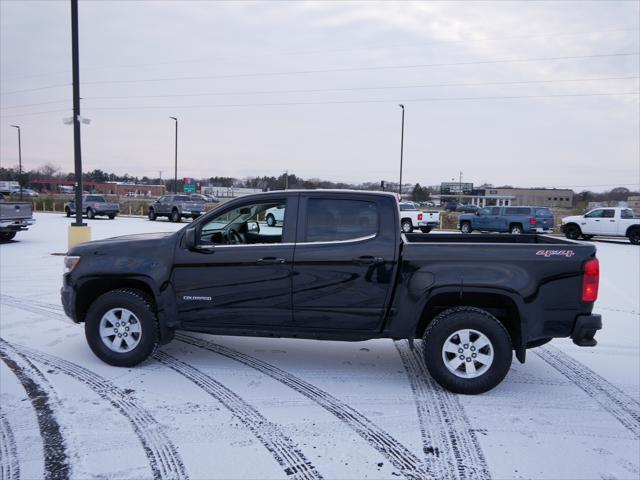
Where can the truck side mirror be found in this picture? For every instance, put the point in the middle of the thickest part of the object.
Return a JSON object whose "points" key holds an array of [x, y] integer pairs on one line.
{"points": [[190, 238]]}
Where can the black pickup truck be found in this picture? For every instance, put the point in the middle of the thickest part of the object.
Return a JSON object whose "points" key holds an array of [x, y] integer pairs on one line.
{"points": [[336, 268]]}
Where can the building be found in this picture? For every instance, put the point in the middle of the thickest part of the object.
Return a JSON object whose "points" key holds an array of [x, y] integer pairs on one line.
{"points": [[489, 196]]}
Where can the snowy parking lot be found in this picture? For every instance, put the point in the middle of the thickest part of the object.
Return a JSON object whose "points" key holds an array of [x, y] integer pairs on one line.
{"points": [[233, 407]]}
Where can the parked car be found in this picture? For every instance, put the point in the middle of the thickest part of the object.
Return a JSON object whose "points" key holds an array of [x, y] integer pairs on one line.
{"points": [[611, 222], [515, 220], [14, 217], [451, 206], [175, 207], [354, 277], [26, 192], [94, 206], [411, 217], [199, 197], [275, 215], [467, 208]]}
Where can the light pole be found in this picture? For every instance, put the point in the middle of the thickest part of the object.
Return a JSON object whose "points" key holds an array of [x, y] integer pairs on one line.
{"points": [[401, 150], [19, 161], [175, 175]]}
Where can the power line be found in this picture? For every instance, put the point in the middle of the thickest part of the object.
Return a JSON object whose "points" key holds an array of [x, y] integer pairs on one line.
{"points": [[320, 90], [336, 50], [360, 69], [349, 89], [338, 102], [46, 87]]}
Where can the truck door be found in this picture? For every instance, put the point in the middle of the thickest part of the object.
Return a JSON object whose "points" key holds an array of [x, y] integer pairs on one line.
{"points": [[608, 222], [482, 220], [239, 274], [590, 224], [345, 257]]}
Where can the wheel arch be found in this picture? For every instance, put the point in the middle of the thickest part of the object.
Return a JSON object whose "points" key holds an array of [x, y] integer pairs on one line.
{"points": [[499, 303], [631, 229], [94, 287]]}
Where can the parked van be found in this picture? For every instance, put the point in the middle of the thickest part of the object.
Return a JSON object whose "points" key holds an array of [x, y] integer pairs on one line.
{"points": [[514, 220]]}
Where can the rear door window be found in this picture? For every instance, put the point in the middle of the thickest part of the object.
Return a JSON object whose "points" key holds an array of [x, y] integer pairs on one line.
{"points": [[330, 220], [609, 213]]}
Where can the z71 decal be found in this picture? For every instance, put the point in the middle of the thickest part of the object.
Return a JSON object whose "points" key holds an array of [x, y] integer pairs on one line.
{"points": [[556, 253]]}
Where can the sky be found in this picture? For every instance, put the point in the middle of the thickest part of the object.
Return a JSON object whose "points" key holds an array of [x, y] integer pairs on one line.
{"points": [[314, 87]]}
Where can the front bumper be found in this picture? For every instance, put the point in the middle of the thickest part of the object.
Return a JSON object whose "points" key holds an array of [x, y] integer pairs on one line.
{"points": [[585, 329], [68, 298]]}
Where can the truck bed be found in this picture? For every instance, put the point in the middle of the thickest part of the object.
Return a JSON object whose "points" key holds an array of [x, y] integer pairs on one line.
{"points": [[417, 238]]}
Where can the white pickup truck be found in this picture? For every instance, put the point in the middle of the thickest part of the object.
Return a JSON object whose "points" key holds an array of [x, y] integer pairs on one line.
{"points": [[606, 221], [412, 217]]}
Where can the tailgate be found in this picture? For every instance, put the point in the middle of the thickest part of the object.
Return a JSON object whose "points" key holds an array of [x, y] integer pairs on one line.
{"points": [[14, 210]]}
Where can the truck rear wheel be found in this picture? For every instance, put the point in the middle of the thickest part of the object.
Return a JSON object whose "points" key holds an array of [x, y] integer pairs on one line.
{"points": [[634, 236], [515, 229], [425, 229], [467, 350], [121, 327], [271, 220], [407, 226], [6, 236]]}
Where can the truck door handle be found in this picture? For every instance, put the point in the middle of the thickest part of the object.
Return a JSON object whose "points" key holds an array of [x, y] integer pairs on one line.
{"points": [[367, 260], [270, 261]]}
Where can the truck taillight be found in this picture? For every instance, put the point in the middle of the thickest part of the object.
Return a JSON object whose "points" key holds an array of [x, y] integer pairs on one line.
{"points": [[420, 216], [590, 280], [532, 221]]}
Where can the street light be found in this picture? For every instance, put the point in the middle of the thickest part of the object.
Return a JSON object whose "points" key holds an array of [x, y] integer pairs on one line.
{"points": [[401, 151], [175, 176], [19, 161]]}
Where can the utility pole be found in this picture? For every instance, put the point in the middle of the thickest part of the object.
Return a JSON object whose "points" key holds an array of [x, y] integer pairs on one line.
{"points": [[175, 173], [460, 187], [77, 152], [401, 151], [286, 179], [19, 160]]}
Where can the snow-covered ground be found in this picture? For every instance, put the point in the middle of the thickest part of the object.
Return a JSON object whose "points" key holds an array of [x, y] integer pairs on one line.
{"points": [[230, 407]]}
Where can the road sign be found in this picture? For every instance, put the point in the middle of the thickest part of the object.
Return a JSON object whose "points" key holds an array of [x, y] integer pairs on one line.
{"points": [[189, 185]]}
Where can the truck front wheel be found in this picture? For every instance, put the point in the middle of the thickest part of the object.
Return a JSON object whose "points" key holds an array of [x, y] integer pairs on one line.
{"points": [[152, 215], [121, 327], [467, 350], [465, 227], [90, 213], [67, 211], [175, 216]]}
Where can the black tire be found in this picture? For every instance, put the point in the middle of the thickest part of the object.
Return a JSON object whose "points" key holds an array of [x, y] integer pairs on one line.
{"points": [[572, 232], [6, 236], [175, 216], [90, 213], [425, 229], [112, 216], [515, 229], [142, 307], [634, 236], [465, 227], [459, 318], [152, 215], [406, 226], [271, 220], [587, 237], [67, 211]]}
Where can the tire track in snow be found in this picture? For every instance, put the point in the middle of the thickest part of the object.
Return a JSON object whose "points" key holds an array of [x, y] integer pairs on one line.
{"points": [[284, 451], [398, 455], [450, 444], [34, 306], [163, 456], [623, 407], [44, 401], [9, 462]]}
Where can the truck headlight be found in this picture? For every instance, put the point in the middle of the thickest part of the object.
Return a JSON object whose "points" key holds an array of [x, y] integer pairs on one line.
{"points": [[70, 263]]}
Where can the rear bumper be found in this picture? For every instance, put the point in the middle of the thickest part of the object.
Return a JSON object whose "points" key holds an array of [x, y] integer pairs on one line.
{"points": [[16, 225], [427, 224], [585, 329]]}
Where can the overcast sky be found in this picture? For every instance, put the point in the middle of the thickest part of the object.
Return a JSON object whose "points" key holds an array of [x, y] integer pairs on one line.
{"points": [[313, 88]]}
